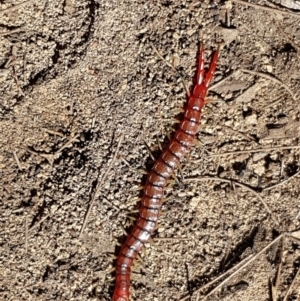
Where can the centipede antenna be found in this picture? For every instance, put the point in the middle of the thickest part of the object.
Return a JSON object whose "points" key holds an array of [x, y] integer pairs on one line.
{"points": [[211, 71], [200, 68]]}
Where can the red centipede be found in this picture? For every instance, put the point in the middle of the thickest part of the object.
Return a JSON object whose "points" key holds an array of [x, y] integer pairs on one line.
{"points": [[162, 170]]}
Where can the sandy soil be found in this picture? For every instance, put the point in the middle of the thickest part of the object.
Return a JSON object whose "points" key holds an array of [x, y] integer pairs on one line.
{"points": [[77, 78]]}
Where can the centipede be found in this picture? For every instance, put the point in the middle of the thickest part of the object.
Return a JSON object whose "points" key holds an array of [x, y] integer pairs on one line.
{"points": [[157, 178]]}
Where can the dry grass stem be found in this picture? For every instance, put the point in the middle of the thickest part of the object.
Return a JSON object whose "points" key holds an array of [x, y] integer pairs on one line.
{"points": [[219, 83], [2, 34], [245, 265], [26, 235], [274, 288], [68, 143], [17, 160], [241, 265], [267, 76], [51, 157], [248, 137], [219, 277], [17, 6], [170, 238], [292, 284], [55, 133], [38, 223], [255, 150], [283, 182], [99, 186]]}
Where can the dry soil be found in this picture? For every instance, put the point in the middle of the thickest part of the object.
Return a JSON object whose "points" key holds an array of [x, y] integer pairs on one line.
{"points": [[79, 77]]}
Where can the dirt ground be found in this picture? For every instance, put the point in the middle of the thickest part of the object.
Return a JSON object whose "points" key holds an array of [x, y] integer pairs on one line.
{"points": [[86, 86]]}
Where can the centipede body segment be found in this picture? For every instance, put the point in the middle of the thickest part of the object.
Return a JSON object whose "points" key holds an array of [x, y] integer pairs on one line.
{"points": [[156, 182]]}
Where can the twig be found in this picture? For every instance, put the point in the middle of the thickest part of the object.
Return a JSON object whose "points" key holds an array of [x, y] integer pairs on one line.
{"points": [[11, 32], [228, 6], [214, 86], [15, 7], [99, 186], [274, 288], [290, 287], [237, 184], [273, 10], [26, 235], [38, 223], [17, 160], [246, 264], [241, 265], [51, 157], [170, 238], [55, 133], [274, 79], [275, 102], [219, 277], [255, 150], [68, 144], [240, 133], [283, 182]]}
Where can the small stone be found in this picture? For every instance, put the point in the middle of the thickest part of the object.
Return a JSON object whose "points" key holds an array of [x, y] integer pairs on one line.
{"points": [[194, 202], [260, 170], [252, 119], [176, 36]]}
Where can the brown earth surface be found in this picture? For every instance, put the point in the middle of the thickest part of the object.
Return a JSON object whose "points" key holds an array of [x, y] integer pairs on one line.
{"points": [[80, 78]]}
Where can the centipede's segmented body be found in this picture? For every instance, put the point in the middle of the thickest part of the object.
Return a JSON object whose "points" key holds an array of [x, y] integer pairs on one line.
{"points": [[156, 182]]}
